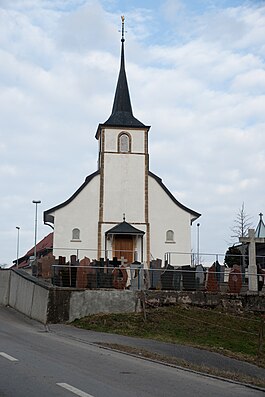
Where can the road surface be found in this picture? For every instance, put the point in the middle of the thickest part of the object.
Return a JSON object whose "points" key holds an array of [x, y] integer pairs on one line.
{"points": [[37, 363]]}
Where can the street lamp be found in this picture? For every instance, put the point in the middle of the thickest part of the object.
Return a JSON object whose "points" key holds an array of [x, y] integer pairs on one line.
{"points": [[36, 223], [198, 243], [18, 229]]}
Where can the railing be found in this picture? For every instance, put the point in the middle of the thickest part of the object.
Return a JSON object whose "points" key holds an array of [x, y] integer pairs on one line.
{"points": [[137, 278]]}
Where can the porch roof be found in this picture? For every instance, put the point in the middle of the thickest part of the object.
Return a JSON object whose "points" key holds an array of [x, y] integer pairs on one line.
{"points": [[125, 228]]}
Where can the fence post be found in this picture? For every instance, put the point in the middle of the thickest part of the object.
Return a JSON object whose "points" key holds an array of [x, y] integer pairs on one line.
{"points": [[261, 337]]}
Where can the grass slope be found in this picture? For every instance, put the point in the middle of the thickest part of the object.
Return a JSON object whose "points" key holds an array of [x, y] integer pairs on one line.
{"points": [[233, 335]]}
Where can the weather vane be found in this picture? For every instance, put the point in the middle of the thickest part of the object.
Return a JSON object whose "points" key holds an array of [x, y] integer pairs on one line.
{"points": [[122, 28]]}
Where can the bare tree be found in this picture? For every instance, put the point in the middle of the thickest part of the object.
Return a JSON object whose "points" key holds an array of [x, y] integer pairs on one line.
{"points": [[242, 223]]}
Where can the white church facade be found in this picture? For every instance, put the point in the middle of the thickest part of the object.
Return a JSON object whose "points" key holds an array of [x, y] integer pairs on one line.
{"points": [[122, 209]]}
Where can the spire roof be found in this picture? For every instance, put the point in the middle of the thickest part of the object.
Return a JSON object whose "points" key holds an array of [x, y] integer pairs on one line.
{"points": [[260, 230], [122, 114]]}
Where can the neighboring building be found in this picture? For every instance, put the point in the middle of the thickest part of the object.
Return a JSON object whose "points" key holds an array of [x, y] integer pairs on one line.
{"points": [[122, 209], [43, 248]]}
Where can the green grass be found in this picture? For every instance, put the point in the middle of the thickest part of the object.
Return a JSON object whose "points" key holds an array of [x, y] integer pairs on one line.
{"points": [[233, 335]]}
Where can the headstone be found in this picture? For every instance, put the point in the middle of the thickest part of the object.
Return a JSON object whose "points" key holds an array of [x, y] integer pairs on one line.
{"points": [[235, 280], [188, 277], [119, 277], [82, 272], [73, 263], [155, 273], [252, 268], [177, 279], [199, 277], [167, 278], [45, 266], [211, 280], [137, 276], [92, 275], [261, 278]]}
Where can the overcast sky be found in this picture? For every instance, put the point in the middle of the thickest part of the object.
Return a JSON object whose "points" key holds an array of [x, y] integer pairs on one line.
{"points": [[196, 75]]}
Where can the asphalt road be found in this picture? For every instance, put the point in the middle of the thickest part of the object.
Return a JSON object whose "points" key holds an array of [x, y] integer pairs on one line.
{"points": [[37, 363]]}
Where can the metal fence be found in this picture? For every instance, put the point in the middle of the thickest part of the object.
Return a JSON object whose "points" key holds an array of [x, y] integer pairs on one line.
{"points": [[136, 277]]}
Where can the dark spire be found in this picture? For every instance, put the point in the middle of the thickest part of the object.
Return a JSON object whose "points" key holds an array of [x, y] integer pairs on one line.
{"points": [[122, 114], [260, 230]]}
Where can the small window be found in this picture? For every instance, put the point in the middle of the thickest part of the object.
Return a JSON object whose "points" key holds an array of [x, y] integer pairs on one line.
{"points": [[169, 236], [75, 234], [124, 143]]}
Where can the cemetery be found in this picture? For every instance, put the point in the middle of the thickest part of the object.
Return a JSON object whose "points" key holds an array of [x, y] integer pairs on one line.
{"points": [[117, 274]]}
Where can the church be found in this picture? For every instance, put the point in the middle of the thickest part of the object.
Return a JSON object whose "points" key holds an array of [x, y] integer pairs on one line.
{"points": [[122, 210]]}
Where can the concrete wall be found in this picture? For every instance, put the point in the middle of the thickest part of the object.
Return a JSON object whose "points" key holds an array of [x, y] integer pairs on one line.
{"points": [[83, 303], [28, 296], [4, 287], [46, 303]]}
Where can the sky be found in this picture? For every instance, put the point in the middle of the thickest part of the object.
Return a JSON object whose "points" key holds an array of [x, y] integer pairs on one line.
{"points": [[196, 74]]}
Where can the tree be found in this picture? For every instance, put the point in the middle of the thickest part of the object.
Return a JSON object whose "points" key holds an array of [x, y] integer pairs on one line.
{"points": [[239, 255], [242, 223], [235, 256]]}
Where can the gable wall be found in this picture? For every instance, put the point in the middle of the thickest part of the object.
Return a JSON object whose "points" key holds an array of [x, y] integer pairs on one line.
{"points": [[81, 213], [165, 215]]}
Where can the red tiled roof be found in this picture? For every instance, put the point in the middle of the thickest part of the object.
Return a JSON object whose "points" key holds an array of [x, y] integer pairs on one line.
{"points": [[46, 242]]}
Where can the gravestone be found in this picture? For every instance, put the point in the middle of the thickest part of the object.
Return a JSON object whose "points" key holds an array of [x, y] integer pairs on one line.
{"points": [[235, 280], [64, 273], [177, 279], [137, 276], [155, 273], [211, 280], [92, 275], [199, 277], [252, 267], [261, 278], [82, 272], [188, 277], [74, 262], [45, 266], [167, 278]]}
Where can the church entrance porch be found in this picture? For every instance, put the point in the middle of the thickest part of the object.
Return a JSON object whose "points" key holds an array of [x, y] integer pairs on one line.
{"points": [[124, 241]]}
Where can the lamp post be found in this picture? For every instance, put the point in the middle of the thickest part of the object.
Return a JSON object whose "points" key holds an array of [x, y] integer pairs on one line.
{"points": [[36, 202], [198, 243], [18, 229]]}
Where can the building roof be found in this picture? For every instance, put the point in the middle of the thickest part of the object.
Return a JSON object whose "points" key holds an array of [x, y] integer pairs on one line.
{"points": [[122, 114], [125, 228], [46, 244], [260, 230]]}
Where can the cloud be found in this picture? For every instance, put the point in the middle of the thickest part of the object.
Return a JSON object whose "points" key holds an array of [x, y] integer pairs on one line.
{"points": [[199, 83]]}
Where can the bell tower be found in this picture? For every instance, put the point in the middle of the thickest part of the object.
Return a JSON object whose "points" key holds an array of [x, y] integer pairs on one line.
{"points": [[123, 166]]}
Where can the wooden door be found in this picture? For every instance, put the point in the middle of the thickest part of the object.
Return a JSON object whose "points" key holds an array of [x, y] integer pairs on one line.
{"points": [[123, 246]]}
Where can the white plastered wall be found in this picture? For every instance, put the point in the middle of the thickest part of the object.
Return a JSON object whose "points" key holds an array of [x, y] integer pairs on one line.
{"points": [[124, 178], [111, 137], [165, 215], [124, 187], [81, 213]]}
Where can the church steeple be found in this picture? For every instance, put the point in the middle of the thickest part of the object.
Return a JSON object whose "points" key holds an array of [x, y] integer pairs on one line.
{"points": [[260, 230], [122, 114]]}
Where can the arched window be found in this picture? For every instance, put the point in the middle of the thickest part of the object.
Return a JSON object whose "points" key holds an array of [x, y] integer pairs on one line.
{"points": [[75, 234], [169, 236], [124, 142]]}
